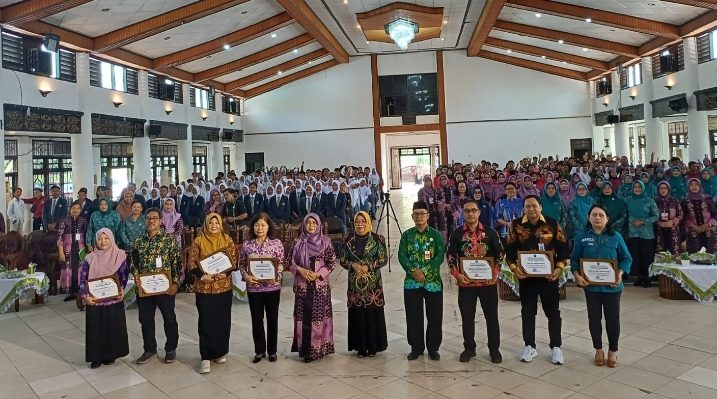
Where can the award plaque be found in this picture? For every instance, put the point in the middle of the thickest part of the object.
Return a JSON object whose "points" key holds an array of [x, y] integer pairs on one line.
{"points": [[536, 263], [263, 269], [154, 283], [477, 269], [104, 289], [599, 271], [216, 263]]}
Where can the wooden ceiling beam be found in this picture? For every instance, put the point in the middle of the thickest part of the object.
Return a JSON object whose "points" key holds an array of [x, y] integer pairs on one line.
{"points": [[536, 66], [253, 59], [275, 84], [160, 23], [306, 17], [569, 38], [551, 54], [233, 39], [488, 18], [33, 10], [600, 17], [696, 3], [267, 73], [701, 24]]}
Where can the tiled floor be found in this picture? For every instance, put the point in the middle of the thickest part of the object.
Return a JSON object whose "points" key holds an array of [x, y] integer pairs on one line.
{"points": [[668, 350]]}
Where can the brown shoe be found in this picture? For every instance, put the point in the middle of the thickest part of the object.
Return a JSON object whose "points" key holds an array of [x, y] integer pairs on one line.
{"points": [[612, 363], [599, 358]]}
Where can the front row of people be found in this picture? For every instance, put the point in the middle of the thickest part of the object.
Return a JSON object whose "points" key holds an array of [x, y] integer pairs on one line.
{"points": [[311, 260]]}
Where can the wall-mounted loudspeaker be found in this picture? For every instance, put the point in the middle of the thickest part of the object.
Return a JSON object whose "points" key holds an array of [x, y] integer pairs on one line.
{"points": [[613, 119]]}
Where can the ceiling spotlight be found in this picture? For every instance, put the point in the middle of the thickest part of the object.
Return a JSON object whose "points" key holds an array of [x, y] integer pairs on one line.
{"points": [[311, 62], [538, 15], [560, 41], [295, 51], [445, 21], [509, 51], [588, 20], [273, 35], [279, 73], [117, 103], [227, 47], [585, 49], [443, 38], [565, 62], [346, 1], [44, 93]]}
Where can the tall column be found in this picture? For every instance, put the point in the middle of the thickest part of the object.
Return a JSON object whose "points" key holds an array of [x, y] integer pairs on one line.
{"points": [[81, 144], [8, 190], [622, 141], [141, 153], [239, 157], [697, 131], [654, 139], [217, 158], [185, 164], [24, 175]]}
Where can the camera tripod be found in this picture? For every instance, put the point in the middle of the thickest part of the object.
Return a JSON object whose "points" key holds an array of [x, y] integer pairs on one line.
{"points": [[388, 213]]}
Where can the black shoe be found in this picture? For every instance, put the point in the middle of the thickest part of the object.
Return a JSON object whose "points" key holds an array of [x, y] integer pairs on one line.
{"points": [[647, 283], [146, 356], [413, 355], [307, 360], [272, 358], [638, 282], [69, 298], [434, 355], [496, 357], [95, 365], [257, 358], [466, 356], [170, 357], [109, 362]]}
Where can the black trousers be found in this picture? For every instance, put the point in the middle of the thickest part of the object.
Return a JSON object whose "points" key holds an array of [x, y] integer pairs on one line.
{"points": [[467, 303], [147, 307], [608, 303], [643, 254], [549, 293], [259, 304], [36, 224], [413, 300]]}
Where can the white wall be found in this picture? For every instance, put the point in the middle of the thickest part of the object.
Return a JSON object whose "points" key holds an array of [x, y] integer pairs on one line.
{"points": [[403, 64], [707, 74], [500, 112]]}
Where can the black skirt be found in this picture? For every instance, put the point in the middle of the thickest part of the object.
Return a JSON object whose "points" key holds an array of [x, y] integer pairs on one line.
{"points": [[215, 320], [367, 330], [105, 333]]}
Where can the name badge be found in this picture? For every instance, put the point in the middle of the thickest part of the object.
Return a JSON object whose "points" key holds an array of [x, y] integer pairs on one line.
{"points": [[77, 236], [158, 262], [427, 255], [664, 215], [541, 247], [430, 201]]}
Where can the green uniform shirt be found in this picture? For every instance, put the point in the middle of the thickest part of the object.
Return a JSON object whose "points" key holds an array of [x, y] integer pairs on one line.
{"points": [[422, 250]]}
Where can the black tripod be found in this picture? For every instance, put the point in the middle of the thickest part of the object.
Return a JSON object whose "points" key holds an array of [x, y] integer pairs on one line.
{"points": [[388, 213]]}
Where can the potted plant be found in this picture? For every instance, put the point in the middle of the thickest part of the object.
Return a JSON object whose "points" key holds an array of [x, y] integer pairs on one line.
{"points": [[685, 259]]}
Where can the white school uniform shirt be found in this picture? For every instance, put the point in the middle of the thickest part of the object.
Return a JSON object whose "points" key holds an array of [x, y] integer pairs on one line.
{"points": [[16, 210]]}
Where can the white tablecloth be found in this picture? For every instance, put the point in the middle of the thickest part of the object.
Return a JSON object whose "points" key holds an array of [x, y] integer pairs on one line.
{"points": [[13, 288], [700, 281]]}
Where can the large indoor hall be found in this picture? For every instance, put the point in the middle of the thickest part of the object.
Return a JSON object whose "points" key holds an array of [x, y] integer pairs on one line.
{"points": [[359, 199]]}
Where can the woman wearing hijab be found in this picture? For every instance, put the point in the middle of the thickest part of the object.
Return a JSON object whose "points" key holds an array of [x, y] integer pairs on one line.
{"points": [[172, 221], [103, 217], [668, 227], [144, 192], [508, 209], [263, 296], [363, 255], [427, 194], [553, 206], [566, 191], [708, 181], [650, 189], [596, 192], [124, 206], [214, 203], [498, 189], [677, 183], [700, 218], [487, 213], [278, 206], [213, 292], [311, 260], [615, 206], [460, 197], [132, 227], [105, 323], [642, 214], [154, 201], [625, 189], [71, 240], [528, 188], [578, 210]]}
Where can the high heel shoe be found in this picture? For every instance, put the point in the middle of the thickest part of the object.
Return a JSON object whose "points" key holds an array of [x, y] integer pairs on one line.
{"points": [[612, 363], [258, 357], [599, 358]]}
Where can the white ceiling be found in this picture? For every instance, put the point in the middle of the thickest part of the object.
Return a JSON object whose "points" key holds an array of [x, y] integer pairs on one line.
{"points": [[295, 70], [548, 61], [552, 45], [656, 10], [4, 3], [89, 19], [206, 29], [270, 63]]}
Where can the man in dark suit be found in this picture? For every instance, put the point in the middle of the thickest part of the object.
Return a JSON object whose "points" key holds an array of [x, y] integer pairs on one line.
{"points": [[278, 206], [192, 210], [55, 209], [309, 203], [253, 202], [335, 203], [87, 205], [234, 210]]}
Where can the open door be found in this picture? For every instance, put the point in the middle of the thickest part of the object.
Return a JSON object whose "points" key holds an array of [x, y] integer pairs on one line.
{"points": [[395, 168]]}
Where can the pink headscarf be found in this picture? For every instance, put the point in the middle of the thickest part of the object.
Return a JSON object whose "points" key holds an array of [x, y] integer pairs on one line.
{"points": [[310, 245], [169, 219], [106, 262]]}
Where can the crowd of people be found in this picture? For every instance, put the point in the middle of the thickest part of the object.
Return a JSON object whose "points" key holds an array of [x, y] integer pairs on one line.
{"points": [[592, 205]]}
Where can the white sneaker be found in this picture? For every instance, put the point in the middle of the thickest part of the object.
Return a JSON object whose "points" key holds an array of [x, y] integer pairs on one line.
{"points": [[221, 360], [529, 353], [557, 356], [205, 367]]}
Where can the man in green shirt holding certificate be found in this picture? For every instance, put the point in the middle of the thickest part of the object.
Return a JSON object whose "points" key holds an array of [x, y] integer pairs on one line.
{"points": [[421, 252]]}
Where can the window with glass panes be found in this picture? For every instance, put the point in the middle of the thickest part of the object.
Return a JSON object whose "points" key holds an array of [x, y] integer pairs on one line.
{"points": [[631, 76], [631, 136], [227, 159], [641, 144], [677, 135], [164, 157], [712, 129], [10, 165], [199, 160], [52, 164], [115, 156]]}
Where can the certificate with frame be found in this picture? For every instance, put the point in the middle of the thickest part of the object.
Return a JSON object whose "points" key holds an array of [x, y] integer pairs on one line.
{"points": [[478, 269], [536, 263], [262, 268], [599, 271], [151, 284], [216, 263], [104, 289]]}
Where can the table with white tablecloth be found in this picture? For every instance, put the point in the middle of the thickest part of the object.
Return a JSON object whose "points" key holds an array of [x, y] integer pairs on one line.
{"points": [[14, 289], [700, 281]]}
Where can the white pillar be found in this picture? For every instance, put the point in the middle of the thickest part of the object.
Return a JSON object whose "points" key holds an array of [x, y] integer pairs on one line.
{"points": [[622, 141], [697, 131], [217, 161], [81, 144], [185, 165], [24, 175], [239, 157], [96, 165], [141, 150], [7, 193], [654, 139]]}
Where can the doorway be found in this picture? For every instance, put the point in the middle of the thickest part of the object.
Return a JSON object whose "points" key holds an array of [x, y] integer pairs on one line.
{"points": [[580, 147], [410, 164], [254, 161]]}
